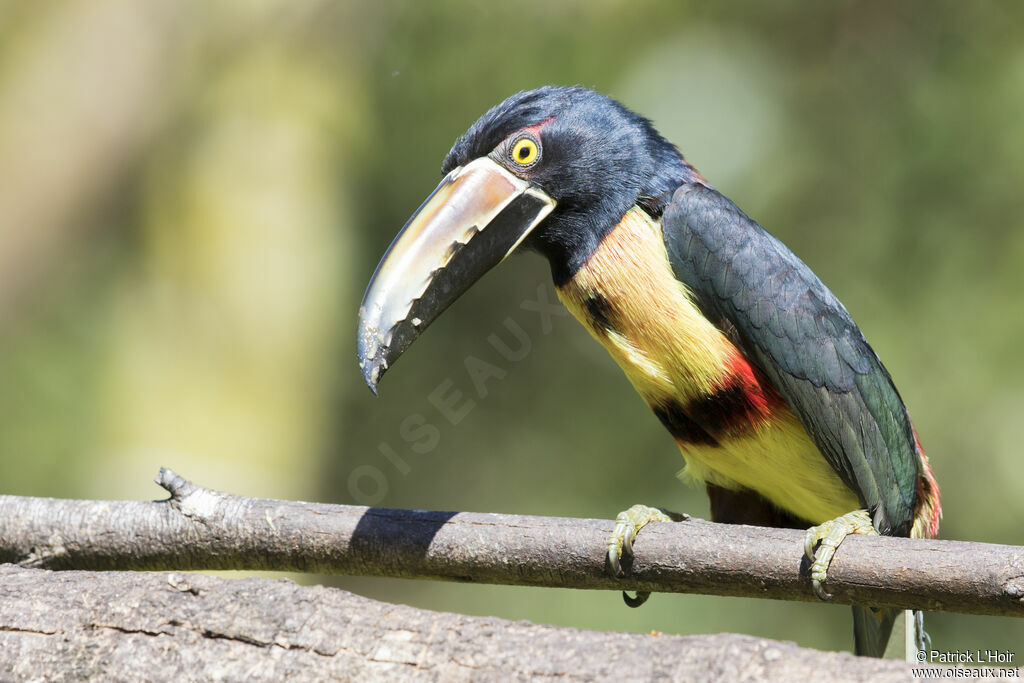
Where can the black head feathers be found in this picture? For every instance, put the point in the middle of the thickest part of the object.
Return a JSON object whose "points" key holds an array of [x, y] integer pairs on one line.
{"points": [[599, 159]]}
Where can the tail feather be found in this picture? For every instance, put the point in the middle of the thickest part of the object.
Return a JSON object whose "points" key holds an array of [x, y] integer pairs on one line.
{"points": [[871, 629]]}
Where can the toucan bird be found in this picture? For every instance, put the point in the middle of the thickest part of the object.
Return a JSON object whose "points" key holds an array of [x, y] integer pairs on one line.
{"points": [[778, 404]]}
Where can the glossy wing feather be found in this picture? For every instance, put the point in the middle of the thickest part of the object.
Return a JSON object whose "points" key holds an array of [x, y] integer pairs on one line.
{"points": [[796, 331]]}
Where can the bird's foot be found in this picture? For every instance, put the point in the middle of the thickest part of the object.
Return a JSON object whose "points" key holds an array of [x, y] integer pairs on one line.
{"points": [[831, 534], [628, 524]]}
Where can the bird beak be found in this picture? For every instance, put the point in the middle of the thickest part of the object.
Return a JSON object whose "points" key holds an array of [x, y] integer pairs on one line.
{"points": [[476, 217]]}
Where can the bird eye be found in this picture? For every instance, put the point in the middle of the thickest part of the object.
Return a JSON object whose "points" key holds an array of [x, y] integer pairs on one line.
{"points": [[525, 152]]}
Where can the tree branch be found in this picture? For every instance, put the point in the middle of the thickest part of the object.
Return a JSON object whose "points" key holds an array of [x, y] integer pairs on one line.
{"points": [[128, 626], [201, 529]]}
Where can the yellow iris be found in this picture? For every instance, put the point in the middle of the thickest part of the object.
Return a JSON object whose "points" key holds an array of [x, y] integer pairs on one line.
{"points": [[525, 151]]}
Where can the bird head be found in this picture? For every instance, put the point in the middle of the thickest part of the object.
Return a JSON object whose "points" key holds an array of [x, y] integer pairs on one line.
{"points": [[552, 170]]}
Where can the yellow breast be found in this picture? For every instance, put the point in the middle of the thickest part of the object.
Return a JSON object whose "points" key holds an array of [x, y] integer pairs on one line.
{"points": [[729, 422]]}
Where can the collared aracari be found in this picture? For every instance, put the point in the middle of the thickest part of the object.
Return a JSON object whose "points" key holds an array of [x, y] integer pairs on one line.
{"points": [[778, 404]]}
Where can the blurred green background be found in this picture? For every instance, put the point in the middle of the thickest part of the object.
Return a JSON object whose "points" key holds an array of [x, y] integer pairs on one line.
{"points": [[193, 196]]}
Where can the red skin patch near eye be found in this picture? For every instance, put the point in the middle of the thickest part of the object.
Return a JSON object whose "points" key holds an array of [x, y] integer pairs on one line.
{"points": [[536, 130]]}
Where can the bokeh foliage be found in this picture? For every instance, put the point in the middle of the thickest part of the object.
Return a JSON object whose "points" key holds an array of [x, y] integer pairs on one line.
{"points": [[193, 195]]}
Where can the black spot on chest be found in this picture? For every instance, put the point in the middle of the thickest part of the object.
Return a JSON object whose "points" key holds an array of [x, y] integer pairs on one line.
{"points": [[681, 426], [723, 410], [599, 310], [708, 419]]}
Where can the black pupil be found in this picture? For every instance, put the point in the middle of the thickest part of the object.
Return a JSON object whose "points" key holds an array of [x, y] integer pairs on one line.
{"points": [[524, 151]]}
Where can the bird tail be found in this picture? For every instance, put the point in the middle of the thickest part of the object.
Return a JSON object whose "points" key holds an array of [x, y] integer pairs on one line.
{"points": [[873, 626], [871, 629]]}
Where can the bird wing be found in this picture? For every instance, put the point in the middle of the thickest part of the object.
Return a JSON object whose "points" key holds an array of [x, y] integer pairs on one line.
{"points": [[795, 330]]}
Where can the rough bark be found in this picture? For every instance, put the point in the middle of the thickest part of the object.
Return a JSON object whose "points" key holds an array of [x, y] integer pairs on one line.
{"points": [[126, 626], [202, 529]]}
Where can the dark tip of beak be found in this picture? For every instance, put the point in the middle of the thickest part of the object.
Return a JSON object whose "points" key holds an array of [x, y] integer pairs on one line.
{"points": [[371, 373], [377, 351], [371, 356]]}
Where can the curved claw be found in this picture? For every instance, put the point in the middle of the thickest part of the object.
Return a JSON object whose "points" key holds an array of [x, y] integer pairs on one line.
{"points": [[810, 540], [620, 542], [627, 525], [613, 562], [822, 594], [641, 598]]}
